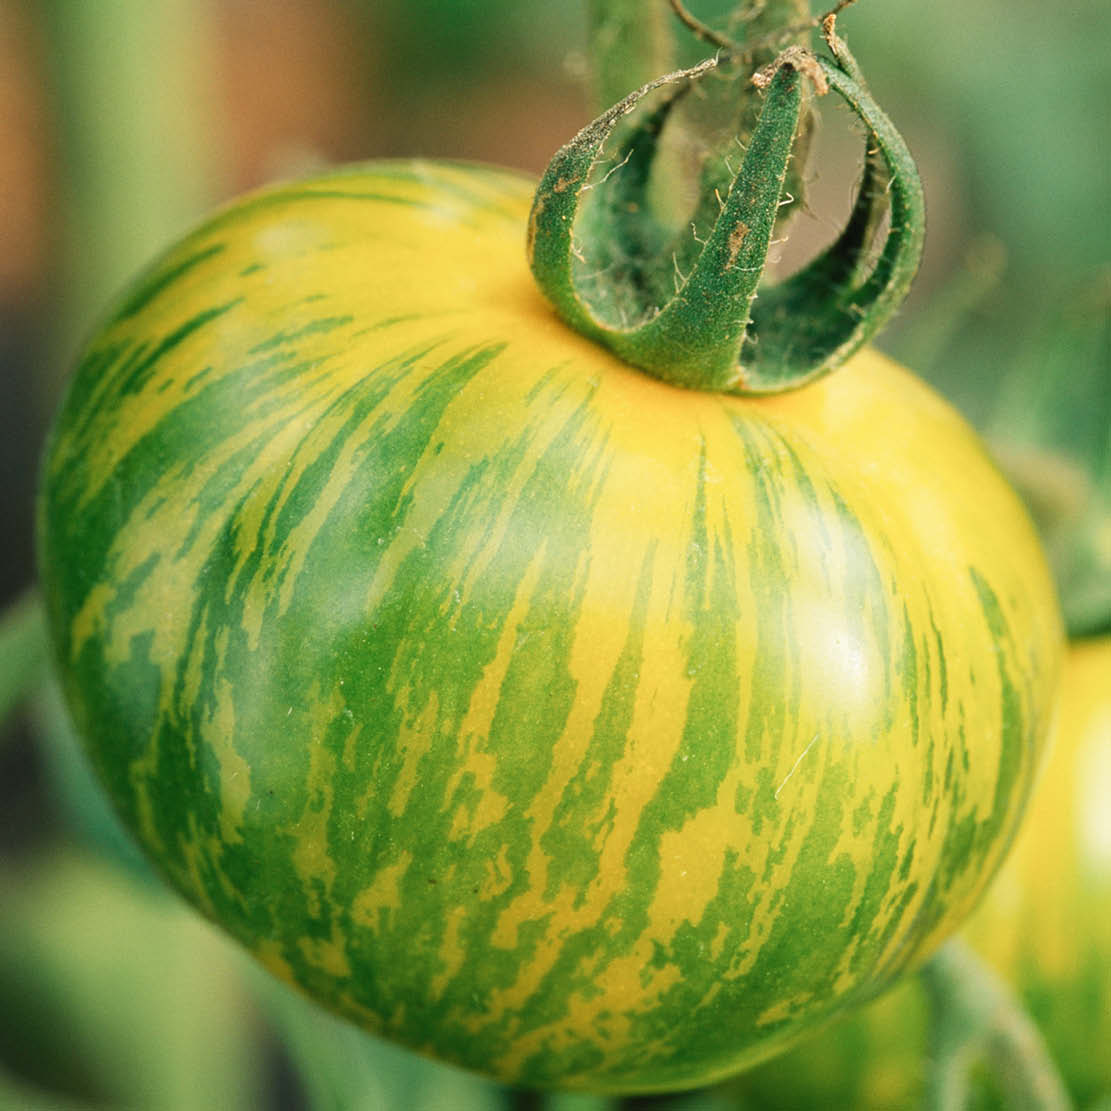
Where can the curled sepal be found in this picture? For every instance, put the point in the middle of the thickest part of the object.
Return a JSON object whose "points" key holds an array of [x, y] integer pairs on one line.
{"points": [[616, 282], [811, 323], [684, 307]]}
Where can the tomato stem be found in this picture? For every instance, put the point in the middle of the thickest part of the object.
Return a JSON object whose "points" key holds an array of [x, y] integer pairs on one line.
{"points": [[681, 303], [630, 43], [977, 1018], [783, 30]]}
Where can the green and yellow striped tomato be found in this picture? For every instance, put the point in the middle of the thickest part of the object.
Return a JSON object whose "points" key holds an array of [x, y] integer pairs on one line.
{"points": [[570, 726], [1044, 928], [1045, 925]]}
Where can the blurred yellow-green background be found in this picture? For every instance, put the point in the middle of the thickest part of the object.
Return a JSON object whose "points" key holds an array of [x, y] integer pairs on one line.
{"points": [[122, 121]]}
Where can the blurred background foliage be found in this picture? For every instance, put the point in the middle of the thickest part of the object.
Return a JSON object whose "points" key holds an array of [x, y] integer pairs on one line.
{"points": [[122, 121]]}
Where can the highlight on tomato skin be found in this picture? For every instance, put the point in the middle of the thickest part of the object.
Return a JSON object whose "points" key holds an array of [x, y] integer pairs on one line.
{"points": [[1044, 926], [561, 723]]}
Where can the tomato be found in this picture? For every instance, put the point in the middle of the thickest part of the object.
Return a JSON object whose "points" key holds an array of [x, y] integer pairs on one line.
{"points": [[1044, 927], [569, 725], [1046, 924]]}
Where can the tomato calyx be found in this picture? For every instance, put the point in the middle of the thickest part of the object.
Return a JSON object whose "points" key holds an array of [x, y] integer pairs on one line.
{"points": [[684, 306]]}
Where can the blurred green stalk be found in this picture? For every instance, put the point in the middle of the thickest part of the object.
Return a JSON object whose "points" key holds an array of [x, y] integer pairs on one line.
{"points": [[978, 1019], [633, 41], [22, 651], [136, 105]]}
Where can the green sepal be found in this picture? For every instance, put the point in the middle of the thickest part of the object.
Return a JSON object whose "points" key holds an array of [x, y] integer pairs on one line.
{"points": [[610, 272], [552, 248], [815, 320]]}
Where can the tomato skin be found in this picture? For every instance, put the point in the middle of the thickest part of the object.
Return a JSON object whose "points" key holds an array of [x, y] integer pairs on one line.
{"points": [[567, 725], [1044, 927]]}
